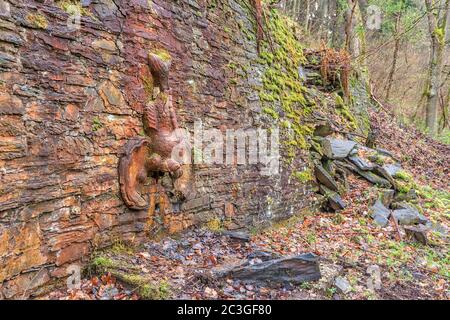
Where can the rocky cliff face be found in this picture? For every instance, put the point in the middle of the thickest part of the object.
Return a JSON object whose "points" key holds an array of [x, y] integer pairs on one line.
{"points": [[72, 97]]}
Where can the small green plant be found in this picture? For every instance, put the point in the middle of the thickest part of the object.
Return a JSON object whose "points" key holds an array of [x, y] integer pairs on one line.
{"points": [[146, 289], [306, 286], [214, 225], [101, 263], [121, 248], [311, 238], [37, 20], [403, 175], [444, 136], [96, 124], [329, 292], [304, 176], [396, 253], [338, 219], [370, 295], [73, 6], [162, 53]]}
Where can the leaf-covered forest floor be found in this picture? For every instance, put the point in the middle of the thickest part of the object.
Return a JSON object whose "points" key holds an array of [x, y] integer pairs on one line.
{"points": [[350, 246]]}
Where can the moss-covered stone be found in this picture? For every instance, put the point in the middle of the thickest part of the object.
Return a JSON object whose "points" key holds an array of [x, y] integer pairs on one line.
{"points": [[163, 54], [304, 176], [282, 90], [73, 6], [37, 20]]}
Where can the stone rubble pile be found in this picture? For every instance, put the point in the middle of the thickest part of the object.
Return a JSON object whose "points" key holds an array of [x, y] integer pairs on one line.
{"points": [[335, 158]]}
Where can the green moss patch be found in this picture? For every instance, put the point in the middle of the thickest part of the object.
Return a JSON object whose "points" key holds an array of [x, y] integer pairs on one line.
{"points": [[282, 91], [37, 20]]}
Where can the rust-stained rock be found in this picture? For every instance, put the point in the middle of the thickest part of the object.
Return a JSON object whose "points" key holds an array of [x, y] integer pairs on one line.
{"points": [[112, 98], [104, 44], [23, 249], [229, 210], [10, 104], [13, 147], [133, 173], [29, 282], [72, 253]]}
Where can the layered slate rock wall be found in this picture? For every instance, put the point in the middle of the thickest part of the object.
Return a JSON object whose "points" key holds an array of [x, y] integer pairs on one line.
{"points": [[71, 99]]}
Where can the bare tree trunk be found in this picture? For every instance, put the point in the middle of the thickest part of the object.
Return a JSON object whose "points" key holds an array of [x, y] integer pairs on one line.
{"points": [[445, 109], [335, 27], [259, 23], [437, 24], [355, 42], [308, 13], [394, 59], [350, 26]]}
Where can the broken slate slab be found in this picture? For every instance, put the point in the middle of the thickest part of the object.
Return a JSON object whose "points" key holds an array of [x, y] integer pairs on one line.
{"points": [[346, 166], [373, 178], [360, 163], [323, 130], [336, 203], [294, 269], [325, 178], [337, 149], [386, 153], [387, 196], [409, 216], [343, 285], [392, 169], [380, 171], [237, 235], [334, 199], [380, 214], [263, 255], [417, 233]]}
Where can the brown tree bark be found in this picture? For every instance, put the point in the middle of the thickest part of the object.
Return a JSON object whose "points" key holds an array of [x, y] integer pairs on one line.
{"points": [[394, 58], [259, 23], [437, 22], [445, 123]]}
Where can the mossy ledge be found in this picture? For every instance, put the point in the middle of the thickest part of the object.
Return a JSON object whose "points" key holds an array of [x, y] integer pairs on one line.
{"points": [[282, 94], [114, 262]]}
